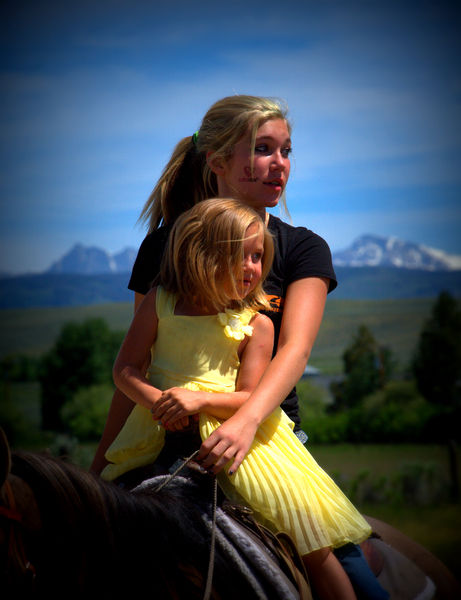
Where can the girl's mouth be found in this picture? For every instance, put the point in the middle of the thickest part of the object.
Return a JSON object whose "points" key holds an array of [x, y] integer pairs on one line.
{"points": [[276, 183]]}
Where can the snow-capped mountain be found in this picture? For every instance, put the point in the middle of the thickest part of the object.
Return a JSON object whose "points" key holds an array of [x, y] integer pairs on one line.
{"points": [[375, 251], [366, 251], [93, 261]]}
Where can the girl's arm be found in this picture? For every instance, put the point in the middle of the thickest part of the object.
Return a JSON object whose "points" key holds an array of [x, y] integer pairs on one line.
{"points": [[302, 315], [120, 409], [177, 403], [129, 366]]}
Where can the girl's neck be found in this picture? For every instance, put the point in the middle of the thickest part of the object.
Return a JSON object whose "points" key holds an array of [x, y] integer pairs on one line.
{"points": [[223, 192], [187, 308]]}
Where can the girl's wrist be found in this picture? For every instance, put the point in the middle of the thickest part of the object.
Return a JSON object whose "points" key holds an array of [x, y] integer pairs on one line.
{"points": [[249, 416]]}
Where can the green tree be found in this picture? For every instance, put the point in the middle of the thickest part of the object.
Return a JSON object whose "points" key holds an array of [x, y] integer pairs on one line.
{"points": [[82, 356], [85, 414], [367, 368], [437, 366], [395, 413], [437, 361], [18, 367]]}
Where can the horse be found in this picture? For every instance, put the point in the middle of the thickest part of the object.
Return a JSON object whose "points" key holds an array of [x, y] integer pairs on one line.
{"points": [[65, 531], [405, 568]]}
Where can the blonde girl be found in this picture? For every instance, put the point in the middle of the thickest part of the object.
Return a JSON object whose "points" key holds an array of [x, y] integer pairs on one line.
{"points": [[209, 348], [201, 277]]}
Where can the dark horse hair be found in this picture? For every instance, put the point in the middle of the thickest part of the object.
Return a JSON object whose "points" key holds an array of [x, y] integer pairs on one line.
{"points": [[96, 540]]}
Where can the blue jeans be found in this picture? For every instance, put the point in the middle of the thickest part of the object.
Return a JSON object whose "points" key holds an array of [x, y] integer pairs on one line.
{"points": [[364, 582]]}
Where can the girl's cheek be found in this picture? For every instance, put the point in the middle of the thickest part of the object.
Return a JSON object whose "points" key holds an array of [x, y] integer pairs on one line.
{"points": [[247, 177]]}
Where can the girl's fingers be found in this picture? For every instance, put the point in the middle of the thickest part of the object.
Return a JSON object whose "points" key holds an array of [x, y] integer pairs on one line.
{"points": [[212, 457], [161, 407], [177, 425]]}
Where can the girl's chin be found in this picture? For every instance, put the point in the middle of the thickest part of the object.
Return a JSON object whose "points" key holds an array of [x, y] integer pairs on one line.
{"points": [[272, 203]]}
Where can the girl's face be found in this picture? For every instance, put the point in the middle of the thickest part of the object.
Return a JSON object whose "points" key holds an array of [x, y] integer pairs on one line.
{"points": [[253, 250], [262, 186]]}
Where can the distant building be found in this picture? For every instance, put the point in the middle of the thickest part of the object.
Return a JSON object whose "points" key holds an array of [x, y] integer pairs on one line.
{"points": [[310, 371]]}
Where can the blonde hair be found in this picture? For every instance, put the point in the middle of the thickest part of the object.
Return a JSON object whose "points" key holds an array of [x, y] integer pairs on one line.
{"points": [[187, 178], [205, 249]]}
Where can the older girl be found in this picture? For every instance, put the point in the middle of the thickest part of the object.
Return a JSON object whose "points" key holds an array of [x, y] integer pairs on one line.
{"points": [[242, 149]]}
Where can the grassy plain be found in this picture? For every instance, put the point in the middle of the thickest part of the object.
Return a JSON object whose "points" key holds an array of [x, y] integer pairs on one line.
{"points": [[436, 526], [33, 331], [394, 323]]}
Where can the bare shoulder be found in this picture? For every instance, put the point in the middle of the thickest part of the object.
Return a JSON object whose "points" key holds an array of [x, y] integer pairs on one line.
{"points": [[150, 297], [262, 324], [147, 306]]}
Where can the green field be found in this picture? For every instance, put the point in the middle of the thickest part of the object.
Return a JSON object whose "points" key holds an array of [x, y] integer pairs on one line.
{"points": [[436, 525], [394, 323], [33, 330]]}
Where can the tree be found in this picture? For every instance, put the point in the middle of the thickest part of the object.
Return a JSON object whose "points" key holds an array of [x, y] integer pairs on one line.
{"points": [[85, 414], [18, 367], [82, 356], [437, 361], [367, 368]]}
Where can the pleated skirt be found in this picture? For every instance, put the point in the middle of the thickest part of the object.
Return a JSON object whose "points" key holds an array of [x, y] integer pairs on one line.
{"points": [[288, 491]]}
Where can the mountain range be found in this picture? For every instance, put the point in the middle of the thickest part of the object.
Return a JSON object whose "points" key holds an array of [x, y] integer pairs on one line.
{"points": [[372, 267], [89, 260], [375, 251], [366, 251]]}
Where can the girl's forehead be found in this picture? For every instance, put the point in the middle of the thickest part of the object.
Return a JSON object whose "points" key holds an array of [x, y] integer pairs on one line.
{"points": [[268, 128], [254, 234], [273, 127], [254, 228]]}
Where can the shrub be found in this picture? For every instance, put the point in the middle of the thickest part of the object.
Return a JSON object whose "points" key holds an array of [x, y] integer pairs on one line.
{"points": [[85, 414], [82, 356]]}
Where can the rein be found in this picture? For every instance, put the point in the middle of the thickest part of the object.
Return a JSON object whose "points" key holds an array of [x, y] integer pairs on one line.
{"points": [[209, 579], [15, 539]]}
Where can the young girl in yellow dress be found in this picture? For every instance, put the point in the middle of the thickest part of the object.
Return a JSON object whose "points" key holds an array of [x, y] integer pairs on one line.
{"points": [[209, 348]]}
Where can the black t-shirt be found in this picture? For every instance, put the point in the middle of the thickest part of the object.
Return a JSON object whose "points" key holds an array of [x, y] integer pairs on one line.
{"points": [[299, 253]]}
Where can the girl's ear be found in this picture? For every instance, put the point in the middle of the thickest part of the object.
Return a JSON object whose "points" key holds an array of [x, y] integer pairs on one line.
{"points": [[216, 163]]}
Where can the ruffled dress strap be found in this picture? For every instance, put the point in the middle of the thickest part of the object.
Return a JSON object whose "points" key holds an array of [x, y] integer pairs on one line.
{"points": [[236, 323], [165, 303]]}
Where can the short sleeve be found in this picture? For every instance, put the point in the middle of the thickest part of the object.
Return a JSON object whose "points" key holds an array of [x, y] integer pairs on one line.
{"points": [[309, 256]]}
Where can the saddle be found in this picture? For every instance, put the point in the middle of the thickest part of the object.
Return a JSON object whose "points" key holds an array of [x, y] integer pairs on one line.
{"points": [[278, 546]]}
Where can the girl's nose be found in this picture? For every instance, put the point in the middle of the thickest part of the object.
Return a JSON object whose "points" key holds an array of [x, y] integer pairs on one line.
{"points": [[278, 161]]}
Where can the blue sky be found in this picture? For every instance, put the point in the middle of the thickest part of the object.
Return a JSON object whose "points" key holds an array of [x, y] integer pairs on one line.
{"points": [[94, 96]]}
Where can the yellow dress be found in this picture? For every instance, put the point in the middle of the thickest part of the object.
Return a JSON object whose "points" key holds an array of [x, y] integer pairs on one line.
{"points": [[278, 478]]}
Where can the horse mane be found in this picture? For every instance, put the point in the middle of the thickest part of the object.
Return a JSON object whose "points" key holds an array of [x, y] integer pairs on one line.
{"points": [[114, 541]]}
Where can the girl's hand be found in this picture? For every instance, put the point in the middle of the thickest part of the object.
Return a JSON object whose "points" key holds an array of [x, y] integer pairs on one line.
{"points": [[231, 440], [177, 425], [175, 406]]}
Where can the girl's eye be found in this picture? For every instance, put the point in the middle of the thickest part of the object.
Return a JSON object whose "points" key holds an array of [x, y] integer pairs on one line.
{"points": [[256, 257], [264, 149], [261, 148]]}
